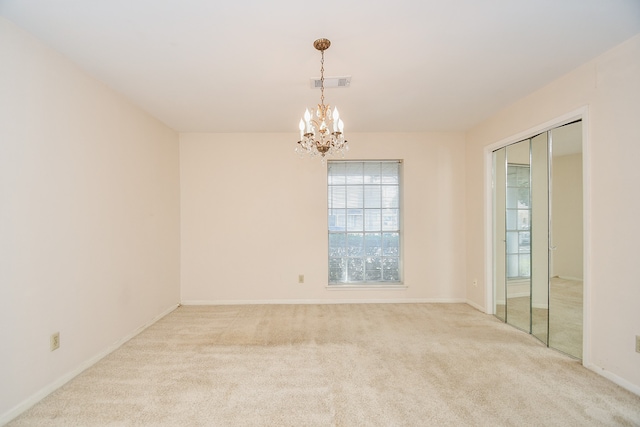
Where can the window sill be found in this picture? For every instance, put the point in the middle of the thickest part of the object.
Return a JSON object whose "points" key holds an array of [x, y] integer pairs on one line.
{"points": [[367, 287]]}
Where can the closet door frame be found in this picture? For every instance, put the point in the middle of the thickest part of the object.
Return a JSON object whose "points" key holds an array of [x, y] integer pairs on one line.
{"points": [[580, 114]]}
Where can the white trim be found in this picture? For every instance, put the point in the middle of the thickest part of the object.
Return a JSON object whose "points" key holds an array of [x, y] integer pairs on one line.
{"points": [[329, 301], [586, 236], [534, 305], [578, 114], [476, 306], [48, 389], [518, 282], [581, 113], [633, 388], [540, 305], [366, 287], [575, 279], [519, 294], [488, 231]]}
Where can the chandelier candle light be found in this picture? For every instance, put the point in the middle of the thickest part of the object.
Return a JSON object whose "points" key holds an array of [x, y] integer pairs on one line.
{"points": [[321, 130]]}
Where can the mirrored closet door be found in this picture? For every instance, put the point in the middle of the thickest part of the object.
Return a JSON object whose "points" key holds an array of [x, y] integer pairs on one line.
{"points": [[537, 223]]}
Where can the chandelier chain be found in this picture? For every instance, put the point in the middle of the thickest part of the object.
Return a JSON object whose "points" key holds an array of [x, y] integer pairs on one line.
{"points": [[322, 78]]}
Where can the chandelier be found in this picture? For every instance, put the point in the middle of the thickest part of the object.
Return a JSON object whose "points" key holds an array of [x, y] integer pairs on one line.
{"points": [[322, 130]]}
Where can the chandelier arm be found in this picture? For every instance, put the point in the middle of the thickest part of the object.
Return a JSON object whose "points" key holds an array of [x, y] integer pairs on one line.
{"points": [[316, 123]]}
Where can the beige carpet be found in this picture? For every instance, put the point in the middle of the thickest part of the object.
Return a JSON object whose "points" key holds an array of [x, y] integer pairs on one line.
{"points": [[335, 365]]}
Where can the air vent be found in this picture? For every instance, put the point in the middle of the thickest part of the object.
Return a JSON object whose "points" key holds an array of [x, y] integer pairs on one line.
{"points": [[331, 82]]}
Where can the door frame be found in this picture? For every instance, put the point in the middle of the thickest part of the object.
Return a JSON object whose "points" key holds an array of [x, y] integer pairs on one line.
{"points": [[579, 114]]}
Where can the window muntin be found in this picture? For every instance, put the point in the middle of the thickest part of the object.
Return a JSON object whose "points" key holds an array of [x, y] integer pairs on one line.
{"points": [[364, 222]]}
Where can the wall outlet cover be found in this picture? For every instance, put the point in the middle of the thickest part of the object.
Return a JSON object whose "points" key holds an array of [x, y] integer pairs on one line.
{"points": [[54, 341]]}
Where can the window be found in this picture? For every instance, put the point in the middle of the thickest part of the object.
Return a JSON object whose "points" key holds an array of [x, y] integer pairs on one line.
{"points": [[518, 230], [364, 221]]}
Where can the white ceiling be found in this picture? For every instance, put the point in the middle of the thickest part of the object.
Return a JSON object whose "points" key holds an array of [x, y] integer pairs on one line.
{"points": [[245, 65]]}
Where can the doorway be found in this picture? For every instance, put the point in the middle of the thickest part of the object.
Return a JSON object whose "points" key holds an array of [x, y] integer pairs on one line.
{"points": [[538, 236]]}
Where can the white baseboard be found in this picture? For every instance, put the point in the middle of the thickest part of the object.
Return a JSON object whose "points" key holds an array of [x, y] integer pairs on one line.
{"points": [[526, 293], [576, 279], [329, 301], [48, 389], [633, 388], [476, 306], [535, 305]]}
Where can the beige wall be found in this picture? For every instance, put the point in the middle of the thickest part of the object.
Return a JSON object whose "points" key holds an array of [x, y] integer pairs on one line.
{"points": [[89, 219], [254, 217], [91, 213], [610, 88]]}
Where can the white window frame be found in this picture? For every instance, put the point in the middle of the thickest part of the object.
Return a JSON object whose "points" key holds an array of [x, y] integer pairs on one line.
{"points": [[354, 219]]}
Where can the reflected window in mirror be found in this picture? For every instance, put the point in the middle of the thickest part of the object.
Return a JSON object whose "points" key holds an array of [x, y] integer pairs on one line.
{"points": [[518, 221]]}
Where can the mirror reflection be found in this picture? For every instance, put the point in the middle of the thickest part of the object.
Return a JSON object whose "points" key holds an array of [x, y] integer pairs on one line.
{"points": [[566, 254], [518, 235], [537, 242], [540, 237]]}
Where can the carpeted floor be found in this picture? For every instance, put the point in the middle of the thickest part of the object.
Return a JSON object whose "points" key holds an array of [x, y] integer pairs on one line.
{"points": [[335, 365]]}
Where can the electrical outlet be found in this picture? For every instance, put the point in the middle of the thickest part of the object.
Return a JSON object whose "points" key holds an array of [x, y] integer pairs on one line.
{"points": [[475, 282], [54, 341], [300, 278], [638, 343]]}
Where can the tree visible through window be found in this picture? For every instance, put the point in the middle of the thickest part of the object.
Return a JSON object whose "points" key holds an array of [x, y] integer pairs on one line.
{"points": [[364, 221]]}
